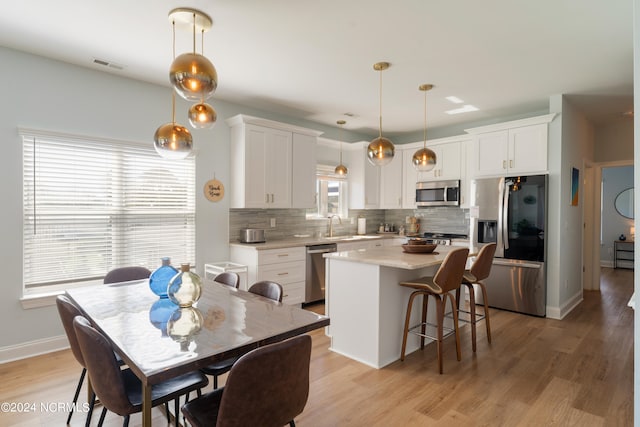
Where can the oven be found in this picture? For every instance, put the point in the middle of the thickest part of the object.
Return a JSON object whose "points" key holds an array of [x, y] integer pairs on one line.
{"points": [[438, 193]]}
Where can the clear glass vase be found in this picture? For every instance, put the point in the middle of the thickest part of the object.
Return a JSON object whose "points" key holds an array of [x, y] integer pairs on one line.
{"points": [[159, 279], [185, 287]]}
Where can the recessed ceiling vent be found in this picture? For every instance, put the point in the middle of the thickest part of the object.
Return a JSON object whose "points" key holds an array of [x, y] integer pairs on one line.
{"points": [[108, 64]]}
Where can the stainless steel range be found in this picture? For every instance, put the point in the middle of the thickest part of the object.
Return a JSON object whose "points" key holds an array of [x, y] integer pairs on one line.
{"points": [[443, 239]]}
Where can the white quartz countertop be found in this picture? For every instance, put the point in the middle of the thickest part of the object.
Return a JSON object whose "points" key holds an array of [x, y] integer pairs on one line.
{"points": [[310, 240], [394, 256]]}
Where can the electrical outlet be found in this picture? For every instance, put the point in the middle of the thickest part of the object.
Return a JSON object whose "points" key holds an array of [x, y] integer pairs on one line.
{"points": [[273, 222]]}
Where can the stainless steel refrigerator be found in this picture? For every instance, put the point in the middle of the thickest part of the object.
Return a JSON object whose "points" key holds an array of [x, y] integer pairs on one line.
{"points": [[512, 212]]}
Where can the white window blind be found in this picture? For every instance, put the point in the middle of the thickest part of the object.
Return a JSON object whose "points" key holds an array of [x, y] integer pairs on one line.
{"points": [[91, 205]]}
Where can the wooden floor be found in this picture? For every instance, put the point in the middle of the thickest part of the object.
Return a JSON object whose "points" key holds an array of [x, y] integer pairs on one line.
{"points": [[537, 372]]}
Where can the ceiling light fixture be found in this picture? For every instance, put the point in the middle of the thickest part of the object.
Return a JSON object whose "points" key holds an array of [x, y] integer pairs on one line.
{"points": [[381, 150], [172, 140], [465, 109], [454, 99], [341, 169], [424, 159], [202, 115]]}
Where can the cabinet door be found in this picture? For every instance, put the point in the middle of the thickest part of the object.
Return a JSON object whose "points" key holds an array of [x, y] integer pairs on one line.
{"points": [[303, 172], [371, 185], [391, 183], [278, 168], [447, 163], [465, 173], [410, 176], [255, 190], [490, 151], [528, 149]]}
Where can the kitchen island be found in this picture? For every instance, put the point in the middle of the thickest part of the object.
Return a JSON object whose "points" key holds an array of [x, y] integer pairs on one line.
{"points": [[367, 306]]}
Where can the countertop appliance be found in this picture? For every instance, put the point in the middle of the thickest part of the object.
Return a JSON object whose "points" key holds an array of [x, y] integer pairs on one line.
{"points": [[438, 193], [512, 212], [252, 235], [314, 281]]}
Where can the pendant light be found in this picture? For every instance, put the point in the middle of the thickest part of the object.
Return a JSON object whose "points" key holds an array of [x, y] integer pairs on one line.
{"points": [[202, 115], [341, 169], [172, 140], [192, 75], [424, 159], [381, 150]]}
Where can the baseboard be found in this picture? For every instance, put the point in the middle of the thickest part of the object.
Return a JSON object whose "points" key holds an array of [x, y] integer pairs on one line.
{"points": [[560, 312], [606, 264], [33, 348]]}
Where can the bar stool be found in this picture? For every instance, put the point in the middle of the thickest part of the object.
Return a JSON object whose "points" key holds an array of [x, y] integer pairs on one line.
{"points": [[479, 271], [447, 278]]}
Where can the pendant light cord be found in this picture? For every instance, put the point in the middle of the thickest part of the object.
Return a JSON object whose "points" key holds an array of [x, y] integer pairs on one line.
{"points": [[425, 120], [173, 92], [194, 33], [380, 127]]}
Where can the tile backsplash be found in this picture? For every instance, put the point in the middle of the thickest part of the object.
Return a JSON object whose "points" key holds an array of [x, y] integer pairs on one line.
{"points": [[289, 222]]}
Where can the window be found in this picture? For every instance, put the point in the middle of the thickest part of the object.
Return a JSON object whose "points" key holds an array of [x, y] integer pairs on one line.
{"points": [[91, 205], [331, 191]]}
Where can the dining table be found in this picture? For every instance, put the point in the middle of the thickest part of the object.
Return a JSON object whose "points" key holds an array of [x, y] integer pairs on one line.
{"points": [[159, 340]]}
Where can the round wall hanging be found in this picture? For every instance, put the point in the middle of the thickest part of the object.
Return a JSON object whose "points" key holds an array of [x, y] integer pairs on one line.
{"points": [[214, 190]]}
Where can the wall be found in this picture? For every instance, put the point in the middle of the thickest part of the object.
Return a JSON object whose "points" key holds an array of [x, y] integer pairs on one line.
{"points": [[614, 141], [614, 180]]}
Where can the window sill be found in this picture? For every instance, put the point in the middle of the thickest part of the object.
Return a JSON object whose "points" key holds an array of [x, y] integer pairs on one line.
{"points": [[46, 297]]}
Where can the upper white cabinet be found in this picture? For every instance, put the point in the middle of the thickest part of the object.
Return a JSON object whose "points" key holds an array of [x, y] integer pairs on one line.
{"points": [[391, 182], [511, 148], [364, 179], [410, 175], [447, 162], [265, 158]]}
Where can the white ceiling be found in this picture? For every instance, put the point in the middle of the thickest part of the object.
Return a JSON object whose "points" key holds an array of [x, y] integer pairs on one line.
{"points": [[314, 59]]}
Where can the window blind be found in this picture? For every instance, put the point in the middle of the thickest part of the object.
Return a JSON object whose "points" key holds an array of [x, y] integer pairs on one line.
{"points": [[91, 205]]}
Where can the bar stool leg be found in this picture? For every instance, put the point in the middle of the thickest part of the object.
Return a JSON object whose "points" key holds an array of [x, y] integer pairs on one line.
{"points": [[455, 324], [440, 313], [486, 310], [406, 324], [472, 305], [423, 329]]}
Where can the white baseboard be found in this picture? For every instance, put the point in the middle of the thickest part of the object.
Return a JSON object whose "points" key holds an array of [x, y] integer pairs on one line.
{"points": [[560, 312], [33, 348]]}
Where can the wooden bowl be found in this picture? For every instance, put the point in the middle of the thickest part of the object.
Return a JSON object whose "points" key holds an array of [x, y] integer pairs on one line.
{"points": [[414, 242], [419, 249]]}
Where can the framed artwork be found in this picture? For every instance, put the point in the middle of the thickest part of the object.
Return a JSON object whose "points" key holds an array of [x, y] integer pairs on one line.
{"points": [[575, 186]]}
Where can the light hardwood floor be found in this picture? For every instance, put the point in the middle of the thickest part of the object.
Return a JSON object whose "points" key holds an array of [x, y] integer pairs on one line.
{"points": [[537, 372]]}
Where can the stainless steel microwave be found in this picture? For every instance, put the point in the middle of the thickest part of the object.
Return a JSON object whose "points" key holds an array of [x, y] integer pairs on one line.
{"points": [[438, 193]]}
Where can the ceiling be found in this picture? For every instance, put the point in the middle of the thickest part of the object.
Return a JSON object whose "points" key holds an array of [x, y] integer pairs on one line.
{"points": [[313, 60]]}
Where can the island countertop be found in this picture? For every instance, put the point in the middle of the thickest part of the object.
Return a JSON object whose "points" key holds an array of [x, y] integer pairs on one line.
{"points": [[394, 256]]}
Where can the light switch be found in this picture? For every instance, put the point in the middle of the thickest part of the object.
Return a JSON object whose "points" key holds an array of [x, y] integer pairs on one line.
{"points": [[273, 222]]}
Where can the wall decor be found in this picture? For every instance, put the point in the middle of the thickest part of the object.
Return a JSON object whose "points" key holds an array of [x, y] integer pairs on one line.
{"points": [[214, 190], [575, 186]]}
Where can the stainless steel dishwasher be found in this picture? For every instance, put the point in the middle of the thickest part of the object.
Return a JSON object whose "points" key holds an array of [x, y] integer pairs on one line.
{"points": [[314, 283]]}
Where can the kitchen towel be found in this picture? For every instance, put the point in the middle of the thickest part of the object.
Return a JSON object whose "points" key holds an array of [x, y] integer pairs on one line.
{"points": [[362, 225]]}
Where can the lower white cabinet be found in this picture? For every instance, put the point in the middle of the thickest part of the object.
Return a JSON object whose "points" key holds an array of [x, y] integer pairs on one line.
{"points": [[361, 244], [285, 266]]}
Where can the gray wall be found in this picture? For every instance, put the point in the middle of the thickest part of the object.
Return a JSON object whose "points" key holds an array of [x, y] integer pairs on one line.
{"points": [[614, 180]]}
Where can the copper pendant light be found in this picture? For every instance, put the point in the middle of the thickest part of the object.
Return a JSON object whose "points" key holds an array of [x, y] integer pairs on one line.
{"points": [[202, 115], [381, 150], [424, 159], [341, 169]]}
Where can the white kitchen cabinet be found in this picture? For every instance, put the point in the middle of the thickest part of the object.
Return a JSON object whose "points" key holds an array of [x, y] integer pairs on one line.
{"points": [[512, 148], [410, 178], [466, 153], [360, 244], [391, 183], [262, 164], [363, 178], [447, 163], [286, 266]]}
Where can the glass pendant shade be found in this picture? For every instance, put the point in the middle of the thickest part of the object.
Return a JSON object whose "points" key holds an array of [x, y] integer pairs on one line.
{"points": [[173, 141], [380, 151], [424, 160], [193, 77], [202, 116], [341, 169]]}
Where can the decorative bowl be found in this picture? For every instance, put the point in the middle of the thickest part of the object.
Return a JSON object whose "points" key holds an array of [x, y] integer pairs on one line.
{"points": [[414, 242], [419, 249]]}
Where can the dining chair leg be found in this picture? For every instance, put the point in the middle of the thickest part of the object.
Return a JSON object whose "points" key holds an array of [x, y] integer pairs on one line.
{"points": [[423, 328], [102, 415], [125, 423], [215, 382], [77, 393], [292, 423], [440, 335], [455, 324], [406, 324], [92, 404], [472, 306], [486, 310]]}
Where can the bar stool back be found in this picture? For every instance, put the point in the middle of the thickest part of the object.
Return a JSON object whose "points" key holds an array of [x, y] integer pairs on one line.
{"points": [[447, 278]]}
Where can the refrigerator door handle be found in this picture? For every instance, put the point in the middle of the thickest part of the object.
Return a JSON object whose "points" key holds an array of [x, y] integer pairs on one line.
{"points": [[500, 230], [505, 210]]}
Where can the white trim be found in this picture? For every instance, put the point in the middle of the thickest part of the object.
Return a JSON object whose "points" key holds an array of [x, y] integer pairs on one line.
{"points": [[47, 134], [559, 313], [242, 118], [33, 348], [547, 118], [433, 142]]}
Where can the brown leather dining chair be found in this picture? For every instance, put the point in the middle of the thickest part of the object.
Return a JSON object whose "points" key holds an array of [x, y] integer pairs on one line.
{"points": [[267, 289], [125, 274], [119, 390], [479, 271], [267, 387], [228, 278], [447, 279]]}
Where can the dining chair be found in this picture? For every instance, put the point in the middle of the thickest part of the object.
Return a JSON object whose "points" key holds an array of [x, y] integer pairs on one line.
{"points": [[267, 289], [447, 278], [119, 390], [267, 387], [68, 311], [480, 270], [125, 274], [228, 278]]}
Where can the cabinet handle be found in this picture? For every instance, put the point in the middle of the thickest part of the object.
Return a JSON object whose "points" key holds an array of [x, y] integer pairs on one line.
{"points": [[282, 255], [283, 274], [266, 200], [511, 163], [504, 164]]}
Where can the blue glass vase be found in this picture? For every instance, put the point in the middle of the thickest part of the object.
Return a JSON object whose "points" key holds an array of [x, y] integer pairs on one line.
{"points": [[159, 279], [160, 313]]}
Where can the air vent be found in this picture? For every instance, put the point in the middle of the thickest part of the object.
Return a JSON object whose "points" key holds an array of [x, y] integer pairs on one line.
{"points": [[108, 64]]}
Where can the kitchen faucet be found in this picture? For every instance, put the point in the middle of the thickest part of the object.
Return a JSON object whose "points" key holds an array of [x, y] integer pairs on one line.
{"points": [[331, 223]]}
